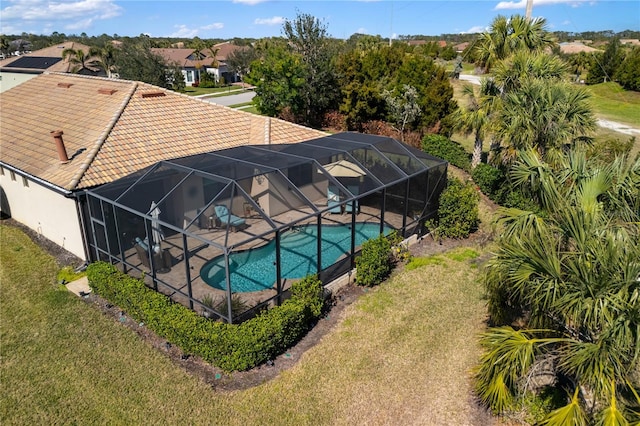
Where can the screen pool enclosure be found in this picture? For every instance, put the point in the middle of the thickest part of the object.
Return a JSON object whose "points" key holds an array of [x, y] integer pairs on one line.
{"points": [[227, 232]]}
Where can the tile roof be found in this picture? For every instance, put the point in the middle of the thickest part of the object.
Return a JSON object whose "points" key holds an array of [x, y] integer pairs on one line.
{"points": [[181, 56], [116, 127], [12, 63]]}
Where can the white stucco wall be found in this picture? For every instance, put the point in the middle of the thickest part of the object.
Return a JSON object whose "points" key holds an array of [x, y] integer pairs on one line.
{"points": [[48, 213], [12, 79]]}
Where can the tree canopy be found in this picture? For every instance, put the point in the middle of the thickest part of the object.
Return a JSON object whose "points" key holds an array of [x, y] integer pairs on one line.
{"points": [[570, 278]]}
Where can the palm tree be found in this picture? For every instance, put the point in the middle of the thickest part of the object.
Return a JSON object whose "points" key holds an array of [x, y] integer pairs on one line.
{"points": [[105, 58], [214, 52], [549, 116], [476, 117], [570, 278], [509, 35], [78, 58], [508, 74]]}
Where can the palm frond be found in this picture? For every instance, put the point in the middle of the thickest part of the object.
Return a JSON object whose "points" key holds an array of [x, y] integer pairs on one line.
{"points": [[571, 414]]}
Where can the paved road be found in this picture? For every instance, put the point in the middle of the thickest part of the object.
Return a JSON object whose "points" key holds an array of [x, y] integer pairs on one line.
{"points": [[235, 99], [618, 127]]}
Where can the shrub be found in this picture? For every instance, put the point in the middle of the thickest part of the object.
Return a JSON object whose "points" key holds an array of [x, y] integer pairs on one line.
{"points": [[375, 262], [458, 214], [442, 147], [228, 346], [489, 179]]}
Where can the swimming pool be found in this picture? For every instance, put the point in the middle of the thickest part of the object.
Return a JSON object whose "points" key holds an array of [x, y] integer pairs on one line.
{"points": [[255, 269]]}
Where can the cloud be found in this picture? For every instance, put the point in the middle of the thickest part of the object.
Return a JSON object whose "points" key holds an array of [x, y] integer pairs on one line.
{"points": [[567, 22], [214, 26], [35, 10], [474, 30], [249, 2], [74, 15], [183, 32], [362, 30], [522, 4], [276, 20]]}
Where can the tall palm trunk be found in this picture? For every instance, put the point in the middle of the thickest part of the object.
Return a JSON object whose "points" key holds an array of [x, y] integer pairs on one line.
{"points": [[477, 151]]}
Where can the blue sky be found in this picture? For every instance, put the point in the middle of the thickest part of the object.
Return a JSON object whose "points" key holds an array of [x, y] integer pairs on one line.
{"points": [[263, 18]]}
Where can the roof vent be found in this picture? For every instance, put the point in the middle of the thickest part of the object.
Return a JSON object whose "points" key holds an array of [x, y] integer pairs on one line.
{"points": [[105, 91], [65, 85], [153, 94], [62, 151]]}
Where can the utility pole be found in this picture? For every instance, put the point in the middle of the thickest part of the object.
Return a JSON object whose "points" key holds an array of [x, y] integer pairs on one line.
{"points": [[529, 10], [391, 26]]}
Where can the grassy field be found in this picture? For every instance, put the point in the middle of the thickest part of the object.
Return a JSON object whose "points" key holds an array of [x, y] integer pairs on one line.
{"points": [[611, 102], [400, 355]]}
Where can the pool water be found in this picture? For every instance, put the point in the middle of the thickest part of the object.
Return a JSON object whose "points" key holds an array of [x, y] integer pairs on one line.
{"points": [[255, 269]]}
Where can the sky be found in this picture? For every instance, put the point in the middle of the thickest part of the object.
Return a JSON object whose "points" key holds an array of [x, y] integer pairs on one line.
{"points": [[226, 19]]}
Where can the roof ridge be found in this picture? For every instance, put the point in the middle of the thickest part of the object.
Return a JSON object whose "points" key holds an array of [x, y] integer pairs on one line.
{"points": [[103, 137]]}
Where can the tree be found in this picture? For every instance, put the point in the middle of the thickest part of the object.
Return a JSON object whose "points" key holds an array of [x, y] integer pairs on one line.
{"points": [[176, 78], [308, 38], [104, 58], [628, 74], [548, 116], [78, 58], [4, 45], [239, 61], [477, 116], [570, 277], [136, 61], [605, 65], [403, 108], [509, 35], [278, 79]]}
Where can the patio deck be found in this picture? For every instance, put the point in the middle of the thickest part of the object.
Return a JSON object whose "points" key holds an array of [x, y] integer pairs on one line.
{"points": [[201, 252]]}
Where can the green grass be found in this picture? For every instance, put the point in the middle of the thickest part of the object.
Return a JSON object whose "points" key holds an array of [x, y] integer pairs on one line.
{"points": [[612, 102], [196, 91], [400, 355], [241, 105]]}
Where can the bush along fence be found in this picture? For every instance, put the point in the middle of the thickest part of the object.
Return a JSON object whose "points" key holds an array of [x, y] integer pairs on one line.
{"points": [[378, 257], [231, 347]]}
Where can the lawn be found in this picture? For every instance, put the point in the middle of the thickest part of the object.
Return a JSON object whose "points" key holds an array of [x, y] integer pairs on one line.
{"points": [[611, 102], [196, 91], [401, 354]]}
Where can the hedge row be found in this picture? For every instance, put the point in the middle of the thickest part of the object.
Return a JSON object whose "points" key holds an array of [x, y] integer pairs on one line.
{"points": [[230, 347], [450, 151]]}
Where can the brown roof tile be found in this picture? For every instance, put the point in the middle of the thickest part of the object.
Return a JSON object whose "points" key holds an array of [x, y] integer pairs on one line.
{"points": [[111, 130]]}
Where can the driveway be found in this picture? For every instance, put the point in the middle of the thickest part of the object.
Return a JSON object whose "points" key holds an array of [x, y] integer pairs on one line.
{"points": [[238, 98], [608, 124]]}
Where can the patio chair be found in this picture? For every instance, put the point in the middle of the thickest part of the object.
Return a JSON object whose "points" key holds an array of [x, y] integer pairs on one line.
{"points": [[355, 190], [333, 200], [227, 219]]}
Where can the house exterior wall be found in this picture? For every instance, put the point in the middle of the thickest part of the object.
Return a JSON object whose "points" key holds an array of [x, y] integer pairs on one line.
{"points": [[9, 80], [49, 213]]}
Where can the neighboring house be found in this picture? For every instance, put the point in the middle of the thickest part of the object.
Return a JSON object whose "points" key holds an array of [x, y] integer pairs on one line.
{"points": [[64, 133], [459, 48], [630, 41], [15, 70], [192, 67], [575, 47]]}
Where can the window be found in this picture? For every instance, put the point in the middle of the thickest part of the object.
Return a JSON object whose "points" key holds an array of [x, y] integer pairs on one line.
{"points": [[189, 76]]}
